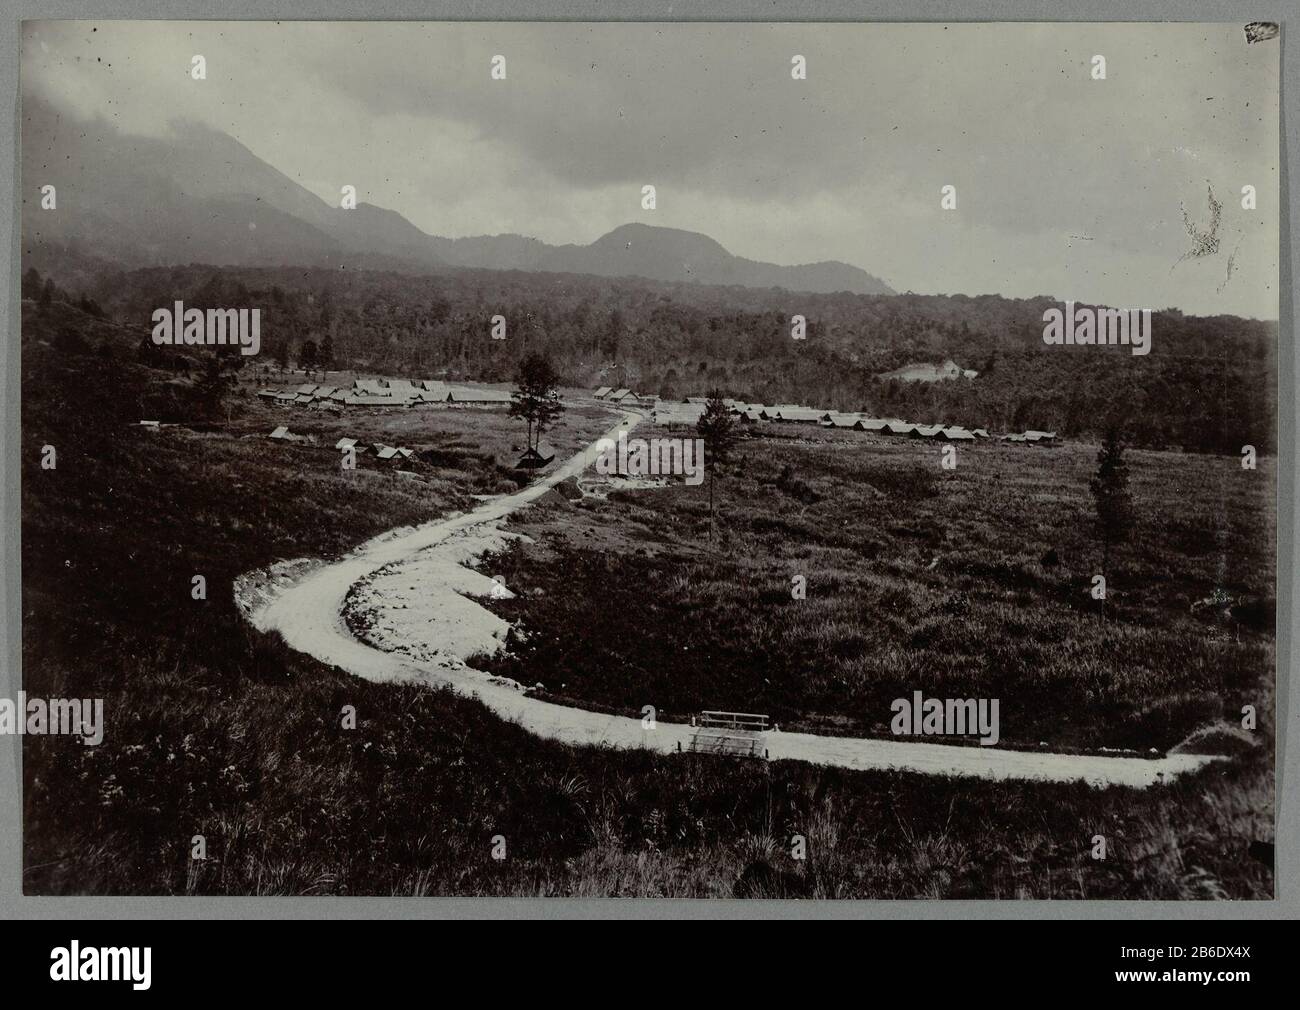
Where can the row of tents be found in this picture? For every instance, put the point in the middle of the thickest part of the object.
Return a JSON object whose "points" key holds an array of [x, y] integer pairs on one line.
{"points": [[400, 393], [532, 459], [382, 451], [689, 411], [623, 397]]}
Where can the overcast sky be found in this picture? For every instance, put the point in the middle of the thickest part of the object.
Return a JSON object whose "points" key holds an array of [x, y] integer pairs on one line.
{"points": [[1066, 186]]}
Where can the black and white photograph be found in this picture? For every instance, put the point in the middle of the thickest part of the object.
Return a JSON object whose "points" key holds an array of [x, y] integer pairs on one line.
{"points": [[649, 460]]}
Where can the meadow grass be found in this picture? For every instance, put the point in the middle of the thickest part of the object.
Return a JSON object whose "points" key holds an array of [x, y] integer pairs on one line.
{"points": [[216, 730], [974, 582]]}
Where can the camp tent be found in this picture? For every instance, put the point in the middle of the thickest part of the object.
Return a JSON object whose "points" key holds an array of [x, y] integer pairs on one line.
{"points": [[535, 459]]}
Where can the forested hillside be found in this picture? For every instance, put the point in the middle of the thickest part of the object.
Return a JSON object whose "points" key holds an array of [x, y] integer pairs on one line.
{"points": [[1207, 385]]}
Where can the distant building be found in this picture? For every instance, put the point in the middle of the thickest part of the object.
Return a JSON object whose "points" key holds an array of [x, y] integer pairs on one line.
{"points": [[678, 414], [924, 371], [535, 459], [283, 434], [603, 392], [800, 415], [479, 397], [369, 400]]}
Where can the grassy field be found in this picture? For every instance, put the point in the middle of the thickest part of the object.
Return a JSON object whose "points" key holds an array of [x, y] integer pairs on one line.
{"points": [[973, 582], [215, 730]]}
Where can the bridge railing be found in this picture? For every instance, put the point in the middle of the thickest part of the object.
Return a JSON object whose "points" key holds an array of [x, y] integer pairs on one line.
{"points": [[733, 720]]}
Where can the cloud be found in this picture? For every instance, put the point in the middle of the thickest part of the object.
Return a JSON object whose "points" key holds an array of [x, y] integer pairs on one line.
{"points": [[1063, 182]]}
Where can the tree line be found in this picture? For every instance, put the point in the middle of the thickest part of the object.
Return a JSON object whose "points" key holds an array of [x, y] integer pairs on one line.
{"points": [[1206, 386]]}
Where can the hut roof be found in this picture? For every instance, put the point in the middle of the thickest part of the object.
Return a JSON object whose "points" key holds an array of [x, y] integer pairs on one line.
{"points": [[804, 414], [367, 400], [463, 394]]}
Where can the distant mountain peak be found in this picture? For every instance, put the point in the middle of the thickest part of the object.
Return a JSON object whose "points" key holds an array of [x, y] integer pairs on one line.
{"points": [[200, 195]]}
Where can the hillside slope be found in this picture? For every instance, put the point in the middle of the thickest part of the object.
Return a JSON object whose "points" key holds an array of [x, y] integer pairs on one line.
{"points": [[197, 195]]}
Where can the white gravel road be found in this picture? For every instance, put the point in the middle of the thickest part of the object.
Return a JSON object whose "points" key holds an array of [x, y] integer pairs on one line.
{"points": [[304, 602]]}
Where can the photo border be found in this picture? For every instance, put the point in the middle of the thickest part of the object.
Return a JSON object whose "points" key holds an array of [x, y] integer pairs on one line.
{"points": [[13, 904]]}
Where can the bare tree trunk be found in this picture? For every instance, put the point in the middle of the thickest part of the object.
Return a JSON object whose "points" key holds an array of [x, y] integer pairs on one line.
{"points": [[1105, 575], [712, 525]]}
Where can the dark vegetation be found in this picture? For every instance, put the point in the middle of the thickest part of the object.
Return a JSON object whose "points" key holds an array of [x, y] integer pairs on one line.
{"points": [[215, 730], [1199, 389], [967, 583]]}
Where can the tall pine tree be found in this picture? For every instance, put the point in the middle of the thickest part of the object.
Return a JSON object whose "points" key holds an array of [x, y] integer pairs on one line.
{"points": [[1113, 501]]}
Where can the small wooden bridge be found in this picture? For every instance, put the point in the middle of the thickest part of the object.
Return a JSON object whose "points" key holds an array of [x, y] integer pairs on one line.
{"points": [[737, 734]]}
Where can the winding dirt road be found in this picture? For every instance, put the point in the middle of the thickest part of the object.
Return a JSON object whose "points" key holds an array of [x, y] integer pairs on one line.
{"points": [[304, 602]]}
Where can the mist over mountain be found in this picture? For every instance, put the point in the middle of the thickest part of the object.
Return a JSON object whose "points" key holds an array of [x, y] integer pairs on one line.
{"points": [[200, 196]]}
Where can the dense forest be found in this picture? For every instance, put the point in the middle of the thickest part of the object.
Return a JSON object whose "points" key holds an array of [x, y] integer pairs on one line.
{"points": [[1208, 384]]}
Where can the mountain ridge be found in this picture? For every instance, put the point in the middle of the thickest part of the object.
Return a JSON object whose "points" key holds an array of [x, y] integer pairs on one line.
{"points": [[200, 195]]}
